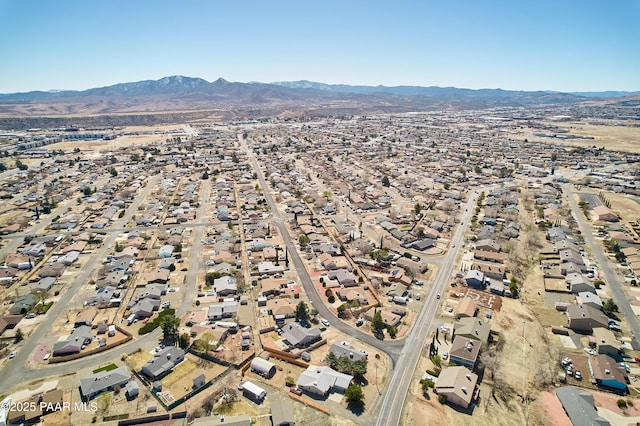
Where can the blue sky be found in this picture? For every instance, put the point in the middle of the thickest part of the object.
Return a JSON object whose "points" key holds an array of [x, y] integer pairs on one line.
{"points": [[517, 45]]}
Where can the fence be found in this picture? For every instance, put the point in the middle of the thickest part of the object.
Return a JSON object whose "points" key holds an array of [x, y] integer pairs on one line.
{"points": [[59, 359]]}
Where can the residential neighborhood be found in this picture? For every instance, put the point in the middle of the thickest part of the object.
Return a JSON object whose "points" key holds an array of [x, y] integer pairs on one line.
{"points": [[282, 271]]}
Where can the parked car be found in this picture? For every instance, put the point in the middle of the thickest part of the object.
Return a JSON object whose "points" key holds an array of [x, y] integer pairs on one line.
{"points": [[12, 354], [296, 390], [578, 375], [445, 355], [566, 361], [325, 322]]}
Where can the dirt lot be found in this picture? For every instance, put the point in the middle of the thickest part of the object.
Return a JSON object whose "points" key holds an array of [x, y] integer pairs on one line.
{"points": [[613, 137]]}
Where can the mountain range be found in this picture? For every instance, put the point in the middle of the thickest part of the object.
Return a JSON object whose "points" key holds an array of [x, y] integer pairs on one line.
{"points": [[187, 95]]}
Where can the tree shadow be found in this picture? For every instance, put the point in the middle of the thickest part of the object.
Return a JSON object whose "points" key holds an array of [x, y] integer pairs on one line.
{"points": [[356, 408]]}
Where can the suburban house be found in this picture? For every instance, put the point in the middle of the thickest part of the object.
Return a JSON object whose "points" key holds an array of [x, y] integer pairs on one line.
{"points": [[475, 279], [466, 308], [344, 277], [458, 385], [465, 351], [75, 342], [282, 413], [604, 213], [105, 380], [23, 304], [580, 406], [144, 308], [472, 328], [607, 374], [225, 286], [8, 322], [226, 309], [345, 349], [584, 318], [606, 341], [591, 299], [488, 245], [300, 337], [163, 362], [322, 380], [577, 283], [273, 286]]}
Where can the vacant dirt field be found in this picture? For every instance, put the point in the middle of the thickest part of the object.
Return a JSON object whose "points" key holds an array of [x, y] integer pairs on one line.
{"points": [[613, 138]]}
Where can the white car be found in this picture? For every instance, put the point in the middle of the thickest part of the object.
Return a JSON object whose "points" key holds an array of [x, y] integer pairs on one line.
{"points": [[445, 355], [13, 354], [325, 322]]}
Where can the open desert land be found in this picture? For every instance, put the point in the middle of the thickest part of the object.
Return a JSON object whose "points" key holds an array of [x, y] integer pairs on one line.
{"points": [[612, 136]]}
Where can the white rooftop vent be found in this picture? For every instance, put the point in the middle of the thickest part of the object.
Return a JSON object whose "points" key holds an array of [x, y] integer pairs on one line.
{"points": [[607, 372]]}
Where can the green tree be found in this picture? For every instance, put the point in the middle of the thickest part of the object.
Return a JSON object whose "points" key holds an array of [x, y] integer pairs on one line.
{"points": [[211, 277], [379, 254], [177, 248], [169, 325], [377, 323], [205, 343], [355, 397], [437, 361], [331, 360], [392, 330], [610, 307], [513, 287], [19, 336], [302, 312], [385, 181], [118, 247], [304, 240], [341, 310], [184, 340], [113, 172]]}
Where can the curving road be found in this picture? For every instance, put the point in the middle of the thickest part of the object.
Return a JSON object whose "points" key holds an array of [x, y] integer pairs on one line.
{"points": [[391, 348], [13, 376]]}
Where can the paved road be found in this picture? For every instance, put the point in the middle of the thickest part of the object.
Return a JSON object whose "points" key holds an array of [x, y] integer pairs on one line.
{"points": [[191, 281], [610, 277], [391, 347], [398, 387], [11, 373]]}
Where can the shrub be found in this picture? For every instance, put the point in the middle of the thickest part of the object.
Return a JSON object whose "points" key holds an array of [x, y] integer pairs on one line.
{"points": [[288, 381], [197, 303], [432, 373], [331, 299], [442, 399], [622, 404]]}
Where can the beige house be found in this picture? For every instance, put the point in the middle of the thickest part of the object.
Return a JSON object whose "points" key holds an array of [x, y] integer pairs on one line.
{"points": [[605, 213], [606, 341], [458, 385]]}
